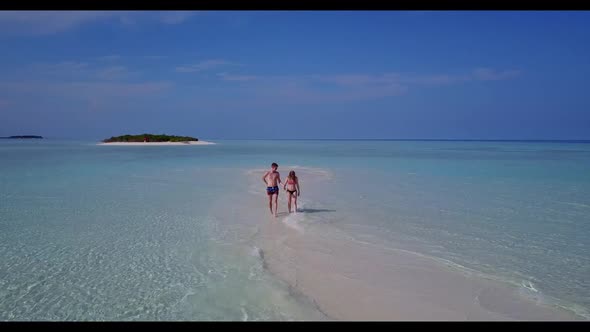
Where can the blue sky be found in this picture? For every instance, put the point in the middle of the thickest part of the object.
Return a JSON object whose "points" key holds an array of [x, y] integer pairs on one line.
{"points": [[300, 74]]}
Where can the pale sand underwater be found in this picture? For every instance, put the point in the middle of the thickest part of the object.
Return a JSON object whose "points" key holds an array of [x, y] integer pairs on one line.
{"points": [[156, 143], [350, 280], [351, 275], [385, 231]]}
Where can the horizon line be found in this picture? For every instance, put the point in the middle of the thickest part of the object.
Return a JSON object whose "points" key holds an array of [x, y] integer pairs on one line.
{"points": [[404, 139], [374, 139]]}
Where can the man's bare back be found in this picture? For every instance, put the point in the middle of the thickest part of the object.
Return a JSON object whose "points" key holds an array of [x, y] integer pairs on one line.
{"points": [[272, 178]]}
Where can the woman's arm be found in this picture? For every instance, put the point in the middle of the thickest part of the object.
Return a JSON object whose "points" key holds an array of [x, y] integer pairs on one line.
{"points": [[298, 189]]}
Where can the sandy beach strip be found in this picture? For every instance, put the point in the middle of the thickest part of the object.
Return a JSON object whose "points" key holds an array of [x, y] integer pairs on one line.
{"points": [[156, 143], [352, 274], [358, 280]]}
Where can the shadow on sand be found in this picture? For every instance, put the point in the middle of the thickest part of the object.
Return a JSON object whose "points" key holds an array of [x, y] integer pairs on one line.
{"points": [[281, 214], [315, 210]]}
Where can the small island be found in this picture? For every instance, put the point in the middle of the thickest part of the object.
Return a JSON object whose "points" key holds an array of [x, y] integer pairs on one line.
{"points": [[23, 137], [151, 139]]}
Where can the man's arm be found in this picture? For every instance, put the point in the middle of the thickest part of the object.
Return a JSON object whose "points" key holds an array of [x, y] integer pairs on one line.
{"points": [[264, 177]]}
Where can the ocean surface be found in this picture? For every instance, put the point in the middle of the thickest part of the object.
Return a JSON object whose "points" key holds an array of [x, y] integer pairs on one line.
{"points": [[92, 232]]}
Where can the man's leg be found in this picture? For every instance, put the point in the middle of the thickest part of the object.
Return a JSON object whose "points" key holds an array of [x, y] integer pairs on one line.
{"points": [[276, 199], [270, 203]]}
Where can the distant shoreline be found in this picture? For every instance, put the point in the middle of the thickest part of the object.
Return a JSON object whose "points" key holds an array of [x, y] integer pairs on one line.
{"points": [[157, 143], [23, 137]]}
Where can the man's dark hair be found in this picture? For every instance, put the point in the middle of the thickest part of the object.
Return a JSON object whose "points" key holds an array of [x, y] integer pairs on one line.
{"points": [[274, 165]]}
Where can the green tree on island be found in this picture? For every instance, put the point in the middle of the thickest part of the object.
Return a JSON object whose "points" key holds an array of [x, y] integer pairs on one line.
{"points": [[149, 138]]}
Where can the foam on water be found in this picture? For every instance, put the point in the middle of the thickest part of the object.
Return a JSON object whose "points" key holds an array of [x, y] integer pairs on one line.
{"points": [[294, 220]]}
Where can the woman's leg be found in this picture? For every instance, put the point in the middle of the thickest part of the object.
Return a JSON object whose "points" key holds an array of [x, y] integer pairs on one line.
{"points": [[289, 200]]}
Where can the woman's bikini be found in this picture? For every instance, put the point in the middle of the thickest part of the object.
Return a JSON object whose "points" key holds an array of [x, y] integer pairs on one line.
{"points": [[292, 182]]}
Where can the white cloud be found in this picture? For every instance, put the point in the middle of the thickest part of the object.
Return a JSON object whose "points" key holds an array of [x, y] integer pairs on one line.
{"points": [[67, 66], [482, 74], [113, 73], [154, 57], [434, 79], [240, 78], [175, 17], [359, 79], [336, 88], [109, 57], [48, 22], [203, 65], [489, 74], [94, 89], [118, 89], [51, 22], [116, 57], [61, 69], [76, 70]]}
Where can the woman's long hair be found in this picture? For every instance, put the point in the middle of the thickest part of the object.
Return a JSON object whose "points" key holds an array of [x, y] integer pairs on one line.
{"points": [[292, 176]]}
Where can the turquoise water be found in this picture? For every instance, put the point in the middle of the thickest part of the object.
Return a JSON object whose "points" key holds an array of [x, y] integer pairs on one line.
{"points": [[93, 232]]}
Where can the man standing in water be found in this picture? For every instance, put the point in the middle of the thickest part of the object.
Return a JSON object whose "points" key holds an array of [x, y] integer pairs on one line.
{"points": [[272, 179]]}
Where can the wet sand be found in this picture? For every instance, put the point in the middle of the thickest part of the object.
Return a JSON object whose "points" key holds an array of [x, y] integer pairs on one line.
{"points": [[354, 280], [350, 276]]}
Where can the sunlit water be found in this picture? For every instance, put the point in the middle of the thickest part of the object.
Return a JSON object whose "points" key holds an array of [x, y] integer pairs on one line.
{"points": [[93, 232]]}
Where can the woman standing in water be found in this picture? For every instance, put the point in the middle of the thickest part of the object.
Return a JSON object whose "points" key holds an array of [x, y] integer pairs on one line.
{"points": [[293, 190]]}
